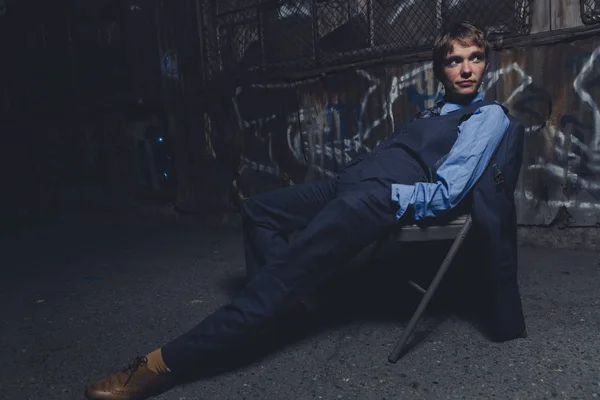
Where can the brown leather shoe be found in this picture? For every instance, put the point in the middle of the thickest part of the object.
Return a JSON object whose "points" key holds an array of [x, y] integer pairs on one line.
{"points": [[136, 382]]}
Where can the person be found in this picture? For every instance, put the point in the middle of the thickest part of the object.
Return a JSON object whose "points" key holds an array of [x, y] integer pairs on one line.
{"points": [[423, 170]]}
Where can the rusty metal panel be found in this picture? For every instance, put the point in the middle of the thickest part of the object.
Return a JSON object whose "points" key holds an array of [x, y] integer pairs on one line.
{"points": [[561, 168], [303, 131], [308, 130]]}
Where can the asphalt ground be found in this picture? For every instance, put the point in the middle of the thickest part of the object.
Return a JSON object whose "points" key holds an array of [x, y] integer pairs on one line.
{"points": [[82, 295]]}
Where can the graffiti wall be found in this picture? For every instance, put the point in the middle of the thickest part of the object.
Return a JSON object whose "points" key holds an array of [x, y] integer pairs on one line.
{"points": [[304, 131]]}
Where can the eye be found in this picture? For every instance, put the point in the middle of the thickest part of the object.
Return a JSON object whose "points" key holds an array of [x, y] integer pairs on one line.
{"points": [[453, 62]]}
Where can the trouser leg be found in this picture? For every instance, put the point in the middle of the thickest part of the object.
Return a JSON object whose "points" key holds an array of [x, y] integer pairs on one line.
{"points": [[358, 215], [269, 218]]}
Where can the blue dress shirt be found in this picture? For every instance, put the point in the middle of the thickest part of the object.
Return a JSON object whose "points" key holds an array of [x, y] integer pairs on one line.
{"points": [[478, 139]]}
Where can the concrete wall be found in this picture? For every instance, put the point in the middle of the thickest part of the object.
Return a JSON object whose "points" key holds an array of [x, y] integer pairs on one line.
{"points": [[306, 130]]}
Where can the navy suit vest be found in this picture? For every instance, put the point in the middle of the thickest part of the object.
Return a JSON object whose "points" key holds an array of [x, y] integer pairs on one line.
{"points": [[425, 141]]}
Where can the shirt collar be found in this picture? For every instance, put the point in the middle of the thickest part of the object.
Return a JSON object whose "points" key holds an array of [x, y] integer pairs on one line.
{"points": [[449, 107]]}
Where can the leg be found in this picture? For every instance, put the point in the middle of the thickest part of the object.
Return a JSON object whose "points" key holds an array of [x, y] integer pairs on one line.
{"points": [[358, 214], [346, 224], [269, 218]]}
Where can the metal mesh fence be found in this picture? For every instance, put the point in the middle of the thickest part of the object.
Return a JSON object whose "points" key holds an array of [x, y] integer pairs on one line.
{"points": [[590, 11], [302, 34]]}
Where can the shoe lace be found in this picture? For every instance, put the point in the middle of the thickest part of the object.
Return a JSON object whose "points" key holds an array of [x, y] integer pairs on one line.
{"points": [[134, 366]]}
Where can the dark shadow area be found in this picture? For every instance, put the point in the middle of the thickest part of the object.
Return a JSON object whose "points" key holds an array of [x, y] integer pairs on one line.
{"points": [[232, 284]]}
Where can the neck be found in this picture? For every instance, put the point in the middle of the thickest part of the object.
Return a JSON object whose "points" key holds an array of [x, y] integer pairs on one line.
{"points": [[460, 98]]}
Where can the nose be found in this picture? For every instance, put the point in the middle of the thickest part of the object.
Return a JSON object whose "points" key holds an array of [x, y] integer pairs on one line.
{"points": [[465, 69]]}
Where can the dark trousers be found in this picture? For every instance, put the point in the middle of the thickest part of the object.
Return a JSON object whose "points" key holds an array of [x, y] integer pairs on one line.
{"points": [[336, 219]]}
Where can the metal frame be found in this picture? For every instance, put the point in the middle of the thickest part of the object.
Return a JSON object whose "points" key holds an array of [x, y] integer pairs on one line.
{"points": [[456, 229]]}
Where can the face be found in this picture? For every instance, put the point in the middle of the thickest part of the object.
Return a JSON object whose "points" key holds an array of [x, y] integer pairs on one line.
{"points": [[463, 70]]}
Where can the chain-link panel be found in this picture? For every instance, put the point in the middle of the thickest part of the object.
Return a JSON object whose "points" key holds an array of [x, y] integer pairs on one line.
{"points": [[301, 34], [590, 11], [238, 39], [288, 34]]}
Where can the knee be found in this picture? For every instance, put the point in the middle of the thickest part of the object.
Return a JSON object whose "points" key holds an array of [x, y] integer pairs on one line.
{"points": [[248, 210], [252, 210]]}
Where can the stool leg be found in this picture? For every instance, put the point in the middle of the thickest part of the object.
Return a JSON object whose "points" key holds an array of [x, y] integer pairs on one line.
{"points": [[396, 352]]}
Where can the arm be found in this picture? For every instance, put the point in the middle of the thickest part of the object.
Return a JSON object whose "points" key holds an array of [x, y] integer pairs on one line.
{"points": [[478, 138]]}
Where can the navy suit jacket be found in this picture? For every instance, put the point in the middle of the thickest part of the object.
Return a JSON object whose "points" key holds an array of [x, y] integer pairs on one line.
{"points": [[492, 246]]}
